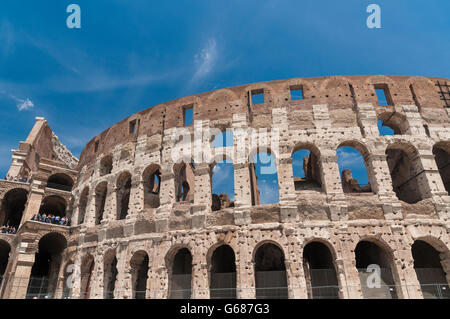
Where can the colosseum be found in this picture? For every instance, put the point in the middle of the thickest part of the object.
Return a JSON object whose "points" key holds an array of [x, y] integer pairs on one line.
{"points": [[126, 220]]}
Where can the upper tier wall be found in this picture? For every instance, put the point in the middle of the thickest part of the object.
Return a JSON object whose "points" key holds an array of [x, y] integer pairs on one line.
{"points": [[220, 105]]}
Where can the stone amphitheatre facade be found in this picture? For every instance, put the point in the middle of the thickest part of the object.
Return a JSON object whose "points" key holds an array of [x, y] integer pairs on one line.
{"points": [[143, 226]]}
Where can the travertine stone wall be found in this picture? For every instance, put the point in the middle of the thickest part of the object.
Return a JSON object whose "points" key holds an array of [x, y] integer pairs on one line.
{"points": [[335, 111]]}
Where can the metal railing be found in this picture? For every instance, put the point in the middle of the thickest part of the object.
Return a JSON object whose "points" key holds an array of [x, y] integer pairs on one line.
{"points": [[14, 287]]}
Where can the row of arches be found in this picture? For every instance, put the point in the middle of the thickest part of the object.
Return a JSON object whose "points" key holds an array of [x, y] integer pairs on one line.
{"points": [[271, 274], [402, 158], [14, 202]]}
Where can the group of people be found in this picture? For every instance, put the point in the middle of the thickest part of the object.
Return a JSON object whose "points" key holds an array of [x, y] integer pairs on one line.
{"points": [[6, 229], [51, 219], [16, 179]]}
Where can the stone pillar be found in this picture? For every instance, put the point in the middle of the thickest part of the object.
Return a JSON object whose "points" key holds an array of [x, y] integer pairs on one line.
{"points": [[347, 268], [33, 204], [89, 217], [202, 195], [245, 270], [430, 181], [200, 282], [136, 203], [414, 120], [18, 284], [167, 197], [331, 183], [75, 292], [295, 273], [288, 207], [242, 194], [367, 119], [412, 288]]}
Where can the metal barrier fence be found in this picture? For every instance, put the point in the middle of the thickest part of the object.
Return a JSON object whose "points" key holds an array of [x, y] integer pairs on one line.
{"points": [[43, 288]]}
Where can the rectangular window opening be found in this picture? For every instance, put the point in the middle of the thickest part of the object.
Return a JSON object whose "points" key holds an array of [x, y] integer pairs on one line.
{"points": [[383, 95], [257, 96], [133, 127], [96, 146], [296, 92], [188, 115]]}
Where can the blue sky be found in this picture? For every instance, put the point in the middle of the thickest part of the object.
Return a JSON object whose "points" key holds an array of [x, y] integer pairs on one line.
{"points": [[130, 55]]}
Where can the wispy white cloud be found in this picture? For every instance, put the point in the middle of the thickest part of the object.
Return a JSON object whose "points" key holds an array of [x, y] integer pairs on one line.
{"points": [[349, 158], [23, 105], [205, 60]]}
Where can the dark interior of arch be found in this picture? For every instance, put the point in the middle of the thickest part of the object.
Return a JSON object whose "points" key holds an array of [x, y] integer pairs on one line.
{"points": [[83, 206], [152, 185], [443, 163], [310, 179], [320, 272], [141, 267], [106, 165], [54, 205], [13, 205], [110, 276], [404, 176], [180, 283], [5, 249], [368, 253], [123, 196], [60, 181], [47, 261], [270, 272], [429, 271], [223, 273], [100, 201]]}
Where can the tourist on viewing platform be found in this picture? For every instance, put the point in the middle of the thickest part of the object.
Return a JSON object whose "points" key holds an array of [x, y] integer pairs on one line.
{"points": [[56, 220], [43, 217]]}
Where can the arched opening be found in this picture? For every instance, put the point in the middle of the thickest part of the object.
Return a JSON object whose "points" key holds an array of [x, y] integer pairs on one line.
{"points": [[5, 249], [264, 179], [123, 194], [13, 205], [442, 157], [139, 274], [320, 272], [100, 200], [223, 273], [152, 185], [405, 169], [352, 165], [184, 182], [109, 275], [375, 284], [222, 185], [270, 273], [181, 275], [306, 169], [106, 164], [223, 139], [83, 205], [60, 181], [392, 123], [45, 270], [53, 205], [429, 271], [87, 271]]}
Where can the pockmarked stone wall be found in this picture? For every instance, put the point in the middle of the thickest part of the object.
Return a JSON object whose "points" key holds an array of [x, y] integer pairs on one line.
{"points": [[146, 224]]}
